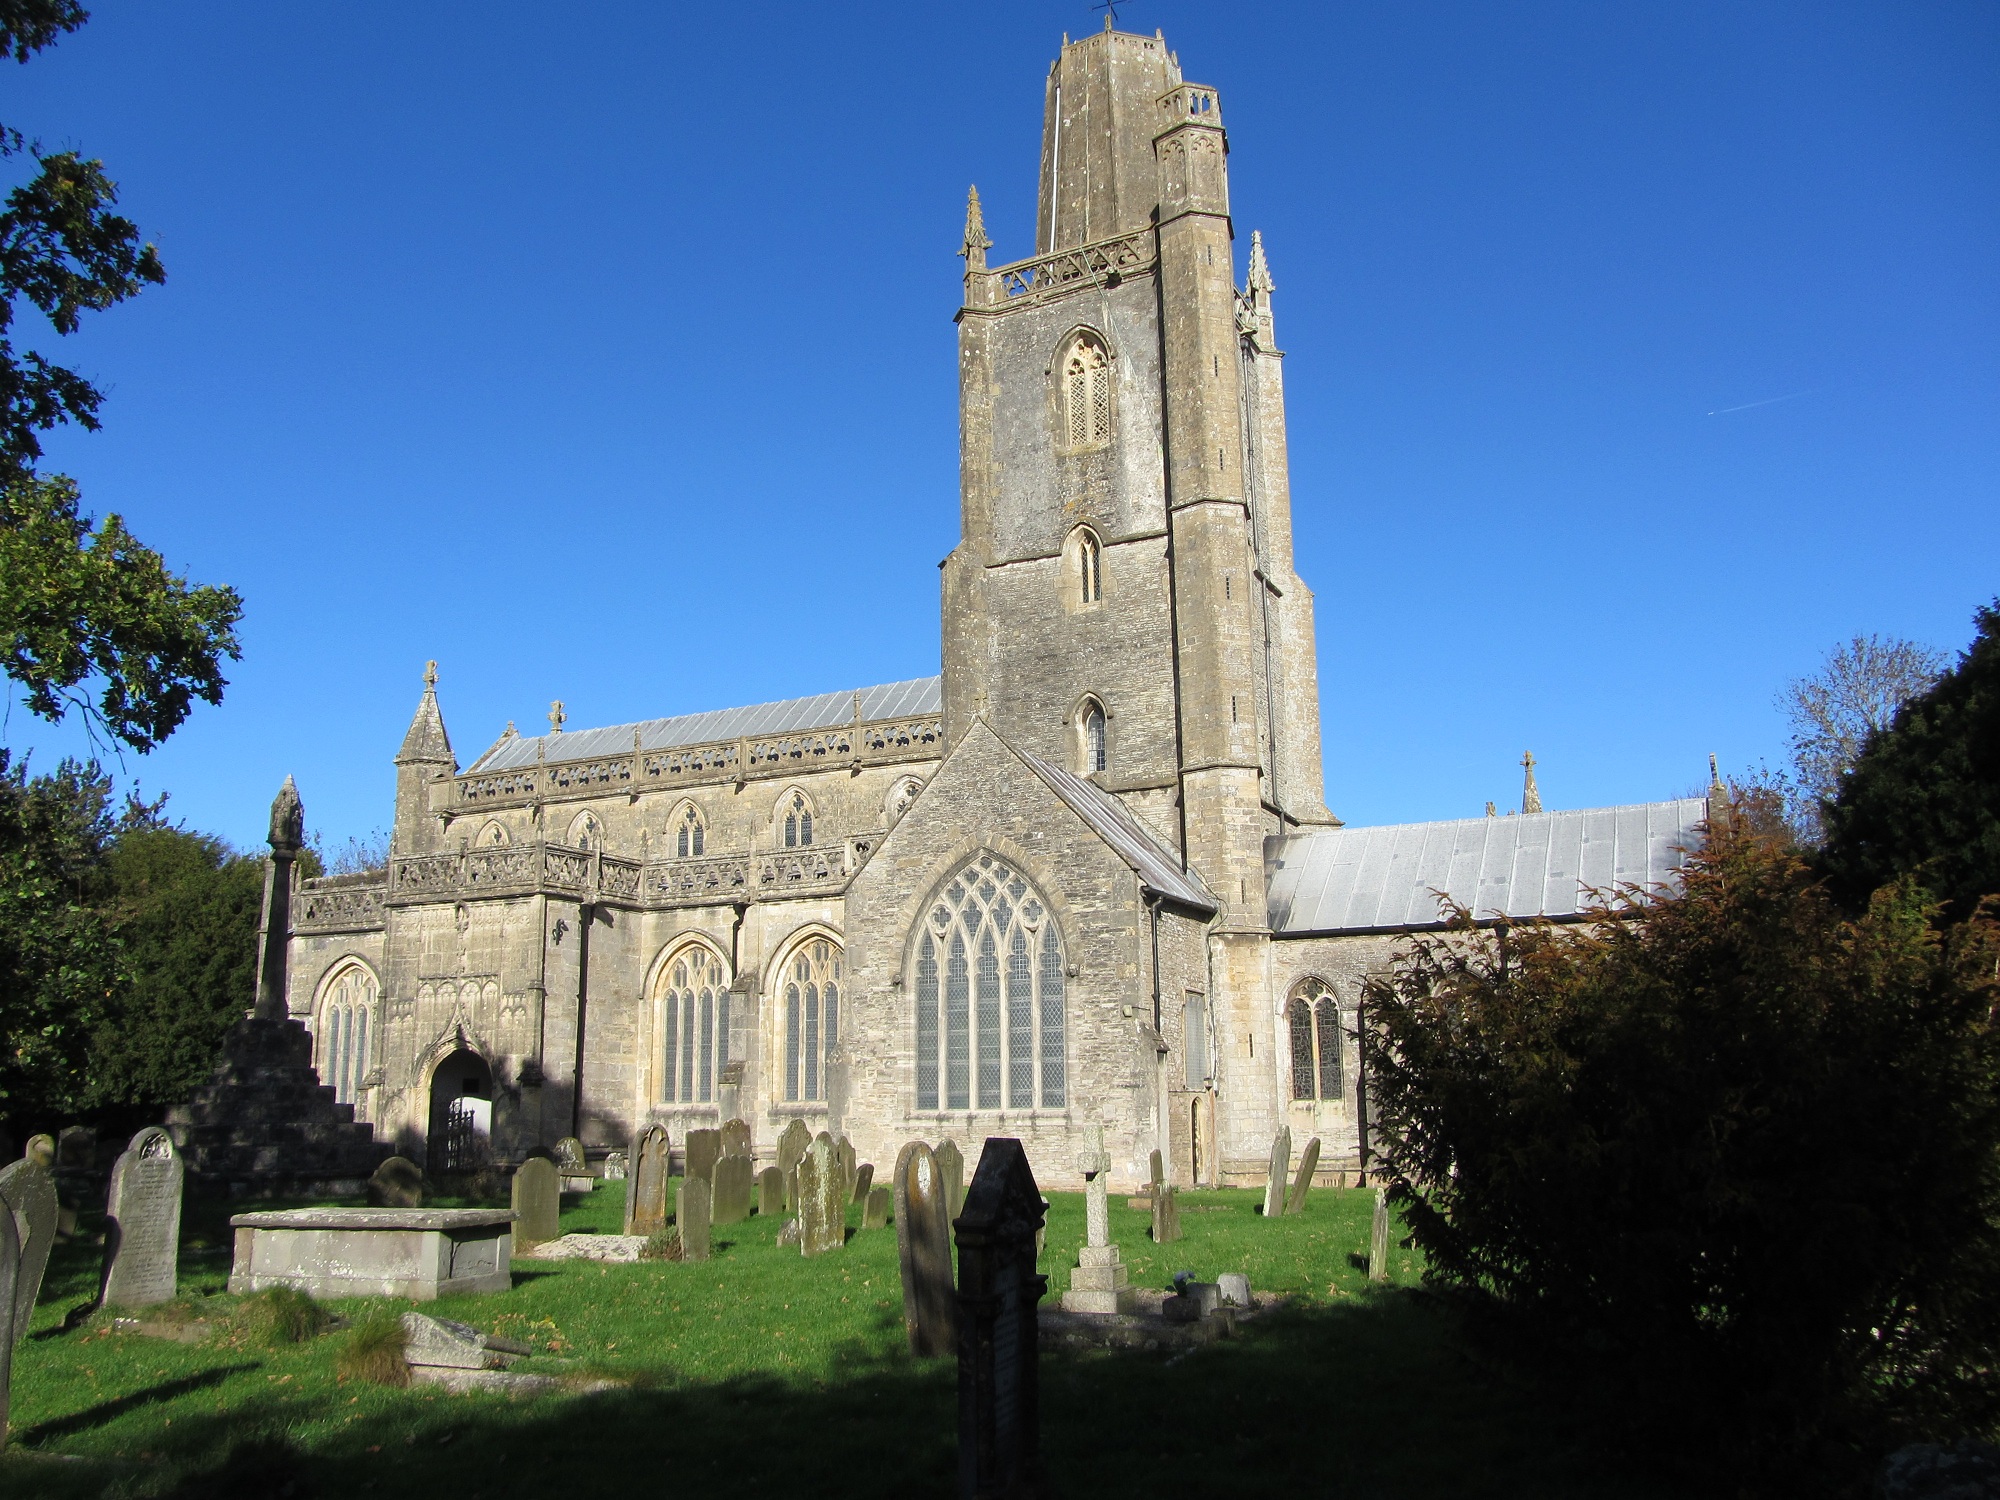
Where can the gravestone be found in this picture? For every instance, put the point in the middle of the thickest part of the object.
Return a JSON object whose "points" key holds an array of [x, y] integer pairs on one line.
{"points": [[770, 1193], [10, 1271], [729, 1089], [923, 1246], [951, 1166], [1233, 1288], [28, 1191], [822, 1199], [845, 1159], [569, 1157], [864, 1179], [646, 1188], [142, 1234], [691, 1216], [397, 1183], [999, 1376], [1378, 1238], [615, 1166], [702, 1149], [42, 1151], [875, 1212], [537, 1203], [1302, 1183], [736, 1138], [792, 1146], [729, 1198], [1277, 1181], [1100, 1281], [76, 1149], [1166, 1206]]}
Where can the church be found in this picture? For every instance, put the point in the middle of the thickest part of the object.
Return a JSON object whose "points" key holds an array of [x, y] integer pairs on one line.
{"points": [[1086, 875]]}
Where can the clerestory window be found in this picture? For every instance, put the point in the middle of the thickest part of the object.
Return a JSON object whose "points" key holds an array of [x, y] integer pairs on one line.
{"points": [[1318, 1068], [992, 995], [690, 833], [1086, 392], [798, 826]]}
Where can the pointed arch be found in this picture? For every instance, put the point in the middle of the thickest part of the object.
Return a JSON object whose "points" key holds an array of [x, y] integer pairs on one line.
{"points": [[687, 830], [902, 793], [808, 989], [494, 835], [1092, 723], [792, 819], [1083, 391], [586, 831], [990, 976], [1083, 569], [689, 1008], [344, 1028], [1319, 1064]]}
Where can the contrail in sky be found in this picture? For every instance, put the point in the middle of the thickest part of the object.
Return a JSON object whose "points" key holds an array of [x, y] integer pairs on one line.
{"points": [[1767, 401]]}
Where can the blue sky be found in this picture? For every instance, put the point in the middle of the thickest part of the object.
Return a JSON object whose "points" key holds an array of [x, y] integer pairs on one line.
{"points": [[1637, 356]]}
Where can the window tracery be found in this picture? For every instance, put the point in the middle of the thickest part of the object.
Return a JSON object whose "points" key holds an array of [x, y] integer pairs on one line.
{"points": [[692, 1015], [796, 825], [494, 835], [690, 832], [585, 832], [812, 1017], [1318, 1064], [992, 991], [901, 795], [347, 1013], [1086, 392], [1091, 736]]}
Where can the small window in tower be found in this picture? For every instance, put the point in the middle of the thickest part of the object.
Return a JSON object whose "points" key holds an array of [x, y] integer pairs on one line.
{"points": [[1086, 392], [1091, 723], [1090, 565]]}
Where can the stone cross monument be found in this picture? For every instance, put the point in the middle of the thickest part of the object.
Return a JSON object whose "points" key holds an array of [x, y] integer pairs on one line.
{"points": [[1100, 1282], [274, 931]]}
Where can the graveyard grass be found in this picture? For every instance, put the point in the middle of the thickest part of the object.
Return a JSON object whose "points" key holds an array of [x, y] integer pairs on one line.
{"points": [[761, 1372]]}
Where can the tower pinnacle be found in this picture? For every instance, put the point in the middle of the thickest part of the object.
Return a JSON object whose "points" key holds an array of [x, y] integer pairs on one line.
{"points": [[976, 243], [1531, 795], [1260, 268]]}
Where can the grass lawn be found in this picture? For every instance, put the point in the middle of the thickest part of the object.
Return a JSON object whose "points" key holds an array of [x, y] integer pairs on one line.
{"points": [[760, 1372]]}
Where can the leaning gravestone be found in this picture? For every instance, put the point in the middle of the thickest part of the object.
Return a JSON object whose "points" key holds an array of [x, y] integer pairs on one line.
{"points": [[1275, 1183], [537, 1203], [691, 1217], [1302, 1184], [729, 1200], [736, 1138], [875, 1212], [703, 1147], [822, 1199], [10, 1270], [999, 1377], [792, 1146], [1166, 1206], [923, 1245], [864, 1179], [770, 1193], [646, 1188], [142, 1236], [28, 1191], [951, 1166], [397, 1183]]}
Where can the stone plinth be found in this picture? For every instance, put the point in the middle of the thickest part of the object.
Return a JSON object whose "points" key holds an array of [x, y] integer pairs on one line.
{"points": [[421, 1254], [1099, 1283]]}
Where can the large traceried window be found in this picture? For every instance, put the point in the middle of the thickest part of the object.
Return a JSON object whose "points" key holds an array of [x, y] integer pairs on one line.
{"points": [[346, 1017], [812, 1017], [1318, 1069], [991, 992], [795, 825], [690, 833], [1086, 392], [692, 1014]]}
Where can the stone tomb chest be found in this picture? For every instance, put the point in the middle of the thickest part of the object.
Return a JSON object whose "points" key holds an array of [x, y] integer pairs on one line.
{"points": [[419, 1253]]}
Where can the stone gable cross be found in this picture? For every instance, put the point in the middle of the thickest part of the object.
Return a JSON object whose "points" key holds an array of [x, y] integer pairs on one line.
{"points": [[557, 718]]}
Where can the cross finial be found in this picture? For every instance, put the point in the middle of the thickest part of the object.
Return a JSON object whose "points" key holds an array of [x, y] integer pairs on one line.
{"points": [[1714, 776], [430, 675], [556, 717], [976, 243], [1531, 795]]}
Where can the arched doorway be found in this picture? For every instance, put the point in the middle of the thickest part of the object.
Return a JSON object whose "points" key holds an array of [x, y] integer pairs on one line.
{"points": [[461, 1120]]}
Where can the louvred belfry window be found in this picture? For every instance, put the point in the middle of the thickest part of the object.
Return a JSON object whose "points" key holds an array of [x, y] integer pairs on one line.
{"points": [[992, 991], [1086, 389]]}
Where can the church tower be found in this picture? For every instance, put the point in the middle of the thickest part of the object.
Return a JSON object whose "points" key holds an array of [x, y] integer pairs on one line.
{"points": [[1122, 600]]}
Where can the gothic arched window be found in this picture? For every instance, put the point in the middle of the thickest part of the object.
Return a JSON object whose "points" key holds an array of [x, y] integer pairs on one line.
{"points": [[692, 1011], [992, 995], [493, 835], [585, 832], [901, 795], [690, 833], [1089, 567], [1090, 730], [796, 827], [1086, 392], [347, 1011], [812, 1017], [1318, 1071]]}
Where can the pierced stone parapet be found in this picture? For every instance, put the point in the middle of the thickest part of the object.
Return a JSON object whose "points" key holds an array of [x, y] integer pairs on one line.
{"points": [[1104, 263], [350, 906]]}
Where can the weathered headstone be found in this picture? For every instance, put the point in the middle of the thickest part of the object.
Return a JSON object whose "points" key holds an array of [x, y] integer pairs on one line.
{"points": [[646, 1188], [792, 1144], [76, 1149], [28, 1191], [1166, 1206], [397, 1183], [1100, 1282], [822, 1199], [1278, 1180], [729, 1089], [702, 1148], [537, 1203], [616, 1164], [864, 1179], [845, 1160], [142, 1234], [736, 1138], [951, 1166], [10, 1270], [999, 1376], [691, 1217], [42, 1151], [569, 1156], [729, 1200], [1233, 1288], [923, 1246], [1302, 1183], [875, 1212], [1378, 1238], [770, 1193]]}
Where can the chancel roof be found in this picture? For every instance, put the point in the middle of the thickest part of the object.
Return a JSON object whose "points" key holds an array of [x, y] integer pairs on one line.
{"points": [[1386, 879], [889, 700], [1159, 869]]}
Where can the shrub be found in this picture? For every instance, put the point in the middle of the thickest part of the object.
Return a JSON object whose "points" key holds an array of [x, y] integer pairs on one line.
{"points": [[280, 1315], [662, 1244], [1728, 1154], [374, 1352]]}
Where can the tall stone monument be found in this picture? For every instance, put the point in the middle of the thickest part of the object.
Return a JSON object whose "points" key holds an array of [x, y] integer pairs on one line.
{"points": [[264, 1124], [822, 1199], [646, 1188], [1100, 1282], [142, 1237]]}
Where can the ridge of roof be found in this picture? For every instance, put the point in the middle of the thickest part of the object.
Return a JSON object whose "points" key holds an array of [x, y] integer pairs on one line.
{"points": [[1159, 870]]}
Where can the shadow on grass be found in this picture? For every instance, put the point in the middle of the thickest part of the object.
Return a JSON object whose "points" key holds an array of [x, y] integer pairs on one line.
{"points": [[1365, 1399], [110, 1411]]}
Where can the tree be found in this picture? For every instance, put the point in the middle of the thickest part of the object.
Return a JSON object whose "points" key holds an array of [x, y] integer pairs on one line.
{"points": [[1855, 694], [1730, 1157], [1923, 796]]}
